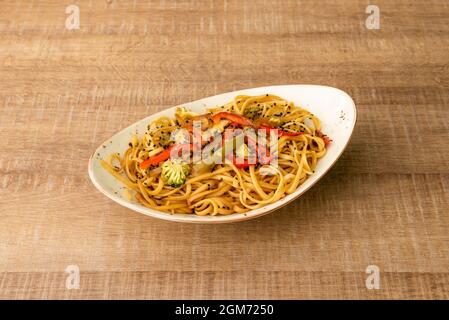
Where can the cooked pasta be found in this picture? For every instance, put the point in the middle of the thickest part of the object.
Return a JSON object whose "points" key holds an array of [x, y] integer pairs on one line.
{"points": [[246, 170]]}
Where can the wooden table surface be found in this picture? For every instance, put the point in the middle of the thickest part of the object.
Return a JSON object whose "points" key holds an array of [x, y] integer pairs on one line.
{"points": [[63, 92]]}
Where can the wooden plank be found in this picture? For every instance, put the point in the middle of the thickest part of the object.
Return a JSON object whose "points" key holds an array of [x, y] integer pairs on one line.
{"points": [[224, 285]]}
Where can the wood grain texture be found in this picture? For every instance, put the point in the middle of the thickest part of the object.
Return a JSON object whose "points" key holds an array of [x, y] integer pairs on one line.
{"points": [[63, 92]]}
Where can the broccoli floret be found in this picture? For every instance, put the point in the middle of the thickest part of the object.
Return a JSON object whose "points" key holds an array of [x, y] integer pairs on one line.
{"points": [[175, 172]]}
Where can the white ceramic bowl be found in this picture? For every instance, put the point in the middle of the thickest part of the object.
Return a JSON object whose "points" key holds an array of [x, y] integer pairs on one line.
{"points": [[333, 107]]}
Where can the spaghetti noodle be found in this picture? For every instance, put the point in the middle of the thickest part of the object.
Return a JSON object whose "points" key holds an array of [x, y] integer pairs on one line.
{"points": [[228, 186]]}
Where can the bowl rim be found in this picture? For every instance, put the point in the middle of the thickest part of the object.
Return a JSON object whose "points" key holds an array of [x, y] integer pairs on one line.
{"points": [[219, 219]]}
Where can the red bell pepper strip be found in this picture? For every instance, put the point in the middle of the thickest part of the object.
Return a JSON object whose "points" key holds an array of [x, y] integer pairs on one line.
{"points": [[239, 164], [325, 138], [289, 134], [234, 118], [245, 164], [280, 132], [261, 152], [163, 155]]}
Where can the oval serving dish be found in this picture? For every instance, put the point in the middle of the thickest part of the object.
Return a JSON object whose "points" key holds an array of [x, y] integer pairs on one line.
{"points": [[335, 109]]}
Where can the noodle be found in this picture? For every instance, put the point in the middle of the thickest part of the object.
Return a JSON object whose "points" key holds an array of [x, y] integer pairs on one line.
{"points": [[224, 188]]}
